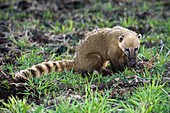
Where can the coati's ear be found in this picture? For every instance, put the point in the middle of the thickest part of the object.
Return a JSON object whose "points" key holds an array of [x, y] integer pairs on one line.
{"points": [[120, 38], [139, 36]]}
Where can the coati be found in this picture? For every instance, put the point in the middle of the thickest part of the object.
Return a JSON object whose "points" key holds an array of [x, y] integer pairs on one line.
{"points": [[117, 45]]}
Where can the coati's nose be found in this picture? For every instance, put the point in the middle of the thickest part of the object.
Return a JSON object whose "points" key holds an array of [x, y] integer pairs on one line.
{"points": [[132, 63]]}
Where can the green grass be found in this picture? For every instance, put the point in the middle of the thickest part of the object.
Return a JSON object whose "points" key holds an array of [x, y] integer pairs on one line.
{"points": [[63, 92], [149, 98]]}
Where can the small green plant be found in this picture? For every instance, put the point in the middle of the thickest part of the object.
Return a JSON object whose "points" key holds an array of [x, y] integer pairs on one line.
{"points": [[108, 6], [4, 15], [63, 28], [48, 15], [15, 105], [22, 43], [127, 22]]}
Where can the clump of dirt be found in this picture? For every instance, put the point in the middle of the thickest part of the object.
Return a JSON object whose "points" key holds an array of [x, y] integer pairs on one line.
{"points": [[9, 87], [8, 51]]}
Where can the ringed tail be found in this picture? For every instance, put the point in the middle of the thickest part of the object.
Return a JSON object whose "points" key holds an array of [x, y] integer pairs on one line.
{"points": [[44, 68]]}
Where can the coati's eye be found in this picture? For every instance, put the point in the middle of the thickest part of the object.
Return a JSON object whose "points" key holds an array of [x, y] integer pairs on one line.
{"points": [[120, 38], [127, 50], [139, 36], [136, 49]]}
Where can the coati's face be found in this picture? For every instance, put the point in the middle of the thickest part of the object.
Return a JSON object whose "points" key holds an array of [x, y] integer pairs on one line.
{"points": [[130, 44]]}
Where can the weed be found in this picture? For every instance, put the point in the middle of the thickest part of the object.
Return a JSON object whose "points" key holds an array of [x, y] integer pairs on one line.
{"points": [[127, 22], [15, 105]]}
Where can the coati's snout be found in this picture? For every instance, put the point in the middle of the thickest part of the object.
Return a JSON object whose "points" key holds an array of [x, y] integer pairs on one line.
{"points": [[132, 62], [131, 56]]}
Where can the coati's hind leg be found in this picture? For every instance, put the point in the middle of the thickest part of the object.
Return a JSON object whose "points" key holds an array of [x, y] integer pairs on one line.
{"points": [[89, 63]]}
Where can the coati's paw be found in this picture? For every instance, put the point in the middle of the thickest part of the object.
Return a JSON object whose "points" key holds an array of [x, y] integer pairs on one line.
{"points": [[106, 72], [84, 73]]}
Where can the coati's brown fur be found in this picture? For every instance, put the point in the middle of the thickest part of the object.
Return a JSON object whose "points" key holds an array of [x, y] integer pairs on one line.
{"points": [[117, 45]]}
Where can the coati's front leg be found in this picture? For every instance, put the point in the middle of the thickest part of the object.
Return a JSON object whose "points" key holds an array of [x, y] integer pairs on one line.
{"points": [[116, 59], [116, 65]]}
